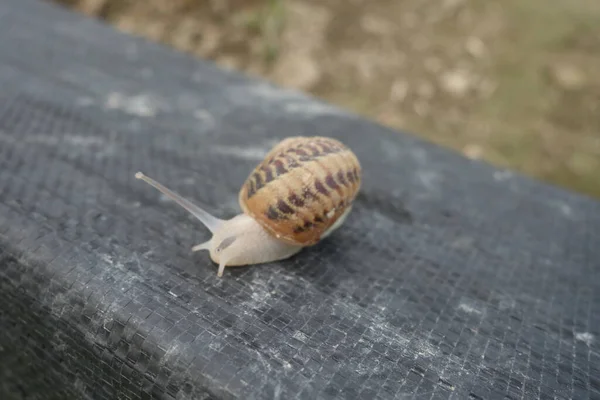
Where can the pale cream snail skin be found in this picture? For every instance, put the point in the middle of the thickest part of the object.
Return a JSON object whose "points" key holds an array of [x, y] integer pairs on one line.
{"points": [[300, 193], [234, 242]]}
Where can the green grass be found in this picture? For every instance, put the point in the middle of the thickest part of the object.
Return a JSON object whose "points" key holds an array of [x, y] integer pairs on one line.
{"points": [[269, 22]]}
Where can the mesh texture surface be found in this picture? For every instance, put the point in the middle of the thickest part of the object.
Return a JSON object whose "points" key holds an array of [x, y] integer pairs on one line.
{"points": [[450, 279]]}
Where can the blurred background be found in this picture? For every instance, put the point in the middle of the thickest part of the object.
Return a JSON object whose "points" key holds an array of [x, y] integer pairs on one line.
{"points": [[513, 82]]}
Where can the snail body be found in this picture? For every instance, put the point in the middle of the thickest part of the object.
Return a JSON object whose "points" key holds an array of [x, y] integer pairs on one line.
{"points": [[300, 193]]}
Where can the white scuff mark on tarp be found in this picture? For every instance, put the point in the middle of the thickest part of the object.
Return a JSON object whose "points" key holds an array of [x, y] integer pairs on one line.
{"points": [[563, 208], [313, 108], [468, 308], [566, 209], [142, 105], [429, 179], [189, 181], [204, 117], [291, 101], [270, 92], [84, 141], [585, 337], [84, 101], [501, 176], [255, 153], [102, 148], [301, 336]]}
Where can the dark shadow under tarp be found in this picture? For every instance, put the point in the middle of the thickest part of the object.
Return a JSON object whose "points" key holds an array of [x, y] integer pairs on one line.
{"points": [[450, 279]]}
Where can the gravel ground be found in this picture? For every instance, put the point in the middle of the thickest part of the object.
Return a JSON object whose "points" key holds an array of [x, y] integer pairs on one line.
{"points": [[514, 82]]}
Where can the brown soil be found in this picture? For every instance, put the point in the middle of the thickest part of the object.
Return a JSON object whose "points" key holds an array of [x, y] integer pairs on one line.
{"points": [[513, 82]]}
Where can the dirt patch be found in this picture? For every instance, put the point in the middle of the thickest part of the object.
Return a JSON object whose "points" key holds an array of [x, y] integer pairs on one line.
{"points": [[512, 82]]}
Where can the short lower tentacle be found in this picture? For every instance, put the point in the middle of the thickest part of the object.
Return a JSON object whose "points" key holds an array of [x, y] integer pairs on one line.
{"points": [[202, 246]]}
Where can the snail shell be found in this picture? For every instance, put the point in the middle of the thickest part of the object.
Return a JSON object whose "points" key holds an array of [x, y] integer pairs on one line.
{"points": [[302, 188]]}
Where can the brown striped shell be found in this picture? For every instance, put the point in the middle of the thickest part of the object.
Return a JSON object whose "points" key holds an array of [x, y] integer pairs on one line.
{"points": [[301, 188]]}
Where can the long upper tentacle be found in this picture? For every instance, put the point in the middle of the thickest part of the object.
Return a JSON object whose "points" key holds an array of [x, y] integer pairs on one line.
{"points": [[211, 222]]}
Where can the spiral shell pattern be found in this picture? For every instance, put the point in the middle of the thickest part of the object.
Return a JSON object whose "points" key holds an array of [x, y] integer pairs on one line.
{"points": [[301, 188]]}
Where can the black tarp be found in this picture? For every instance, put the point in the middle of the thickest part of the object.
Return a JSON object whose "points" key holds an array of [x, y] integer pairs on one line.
{"points": [[450, 279]]}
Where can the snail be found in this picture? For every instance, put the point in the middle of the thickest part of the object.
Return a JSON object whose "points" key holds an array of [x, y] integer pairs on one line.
{"points": [[297, 195]]}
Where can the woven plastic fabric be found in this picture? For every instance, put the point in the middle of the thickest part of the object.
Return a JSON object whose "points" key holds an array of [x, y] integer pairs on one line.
{"points": [[450, 279]]}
